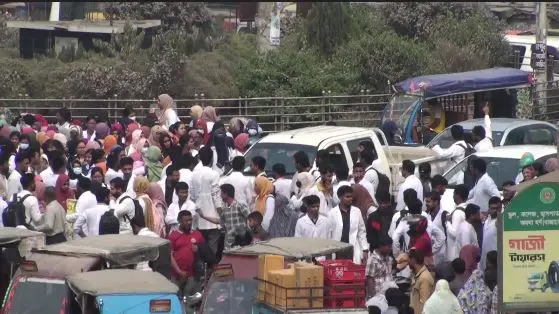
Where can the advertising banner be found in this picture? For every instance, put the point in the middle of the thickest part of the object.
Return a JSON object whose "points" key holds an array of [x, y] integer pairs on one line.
{"points": [[529, 247]]}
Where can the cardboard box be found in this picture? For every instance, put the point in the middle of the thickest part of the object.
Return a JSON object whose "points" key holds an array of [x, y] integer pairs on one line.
{"points": [[309, 276], [266, 263], [283, 280]]}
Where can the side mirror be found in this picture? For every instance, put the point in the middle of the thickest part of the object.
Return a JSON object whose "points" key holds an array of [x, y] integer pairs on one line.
{"points": [[398, 139]]}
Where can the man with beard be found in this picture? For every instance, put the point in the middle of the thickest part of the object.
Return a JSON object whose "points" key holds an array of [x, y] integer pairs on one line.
{"points": [[126, 167], [489, 242]]}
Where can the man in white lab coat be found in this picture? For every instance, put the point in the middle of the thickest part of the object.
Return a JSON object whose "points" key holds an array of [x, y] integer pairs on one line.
{"points": [[207, 197], [243, 185], [433, 206], [456, 151], [453, 220], [482, 136], [313, 225], [347, 226], [484, 187], [489, 242], [410, 182]]}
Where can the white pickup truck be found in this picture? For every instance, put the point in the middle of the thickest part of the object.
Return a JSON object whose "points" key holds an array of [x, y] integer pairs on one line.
{"points": [[341, 142]]}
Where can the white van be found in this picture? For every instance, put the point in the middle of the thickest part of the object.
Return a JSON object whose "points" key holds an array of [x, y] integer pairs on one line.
{"points": [[521, 46]]}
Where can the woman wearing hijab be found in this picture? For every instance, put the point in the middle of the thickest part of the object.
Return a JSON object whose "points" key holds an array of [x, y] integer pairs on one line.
{"points": [[210, 116], [362, 200], [305, 182], [152, 161], [63, 191], [470, 254], [130, 129], [113, 164], [39, 193], [156, 131], [168, 149], [141, 186], [167, 115], [102, 130], [134, 139], [61, 138], [240, 144], [202, 128], [284, 219], [42, 138], [475, 296], [219, 136], [195, 113], [264, 202], [117, 131], [442, 301], [157, 196], [140, 149], [109, 143]]}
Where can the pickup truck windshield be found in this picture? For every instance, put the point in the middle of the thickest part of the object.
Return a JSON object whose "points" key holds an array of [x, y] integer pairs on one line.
{"points": [[399, 110], [278, 153], [35, 296]]}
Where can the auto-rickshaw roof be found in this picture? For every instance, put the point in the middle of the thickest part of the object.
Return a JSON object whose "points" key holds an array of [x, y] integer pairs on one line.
{"points": [[122, 249], [120, 281], [11, 235], [292, 247], [439, 85]]}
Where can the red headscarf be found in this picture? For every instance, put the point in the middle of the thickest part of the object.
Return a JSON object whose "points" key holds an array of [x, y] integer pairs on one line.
{"points": [[421, 241], [241, 142], [62, 196], [202, 125], [470, 255], [40, 118]]}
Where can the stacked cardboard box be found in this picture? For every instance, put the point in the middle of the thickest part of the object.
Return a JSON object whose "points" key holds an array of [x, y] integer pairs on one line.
{"points": [[267, 263], [302, 280]]}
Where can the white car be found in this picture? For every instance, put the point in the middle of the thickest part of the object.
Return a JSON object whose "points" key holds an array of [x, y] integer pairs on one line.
{"points": [[502, 166]]}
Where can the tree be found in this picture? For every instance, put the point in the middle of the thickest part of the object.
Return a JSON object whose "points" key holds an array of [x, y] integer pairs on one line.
{"points": [[328, 26]]}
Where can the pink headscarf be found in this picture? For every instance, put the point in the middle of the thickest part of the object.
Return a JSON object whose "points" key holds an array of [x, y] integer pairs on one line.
{"points": [[117, 127], [60, 137], [40, 192], [5, 131], [241, 142], [27, 130], [92, 145], [51, 133], [470, 255]]}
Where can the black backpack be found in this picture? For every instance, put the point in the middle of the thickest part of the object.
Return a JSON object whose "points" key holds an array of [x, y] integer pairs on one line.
{"points": [[14, 214], [137, 207], [468, 149], [383, 182]]}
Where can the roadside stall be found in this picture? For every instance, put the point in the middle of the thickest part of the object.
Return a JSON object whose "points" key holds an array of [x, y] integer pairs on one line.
{"points": [[277, 276], [120, 291], [527, 242]]}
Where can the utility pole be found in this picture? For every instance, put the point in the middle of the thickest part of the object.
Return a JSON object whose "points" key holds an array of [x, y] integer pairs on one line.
{"points": [[263, 22], [539, 58]]}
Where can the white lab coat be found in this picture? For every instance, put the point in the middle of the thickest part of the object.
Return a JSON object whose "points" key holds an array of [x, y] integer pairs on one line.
{"points": [[439, 257], [410, 182], [14, 184], [454, 153], [357, 232], [89, 220], [305, 228], [162, 185], [174, 210], [85, 201], [124, 206], [458, 234], [484, 189], [244, 188], [335, 198], [325, 201], [489, 240], [206, 195]]}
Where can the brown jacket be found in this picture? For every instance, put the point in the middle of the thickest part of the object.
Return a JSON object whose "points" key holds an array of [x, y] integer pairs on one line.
{"points": [[422, 286]]}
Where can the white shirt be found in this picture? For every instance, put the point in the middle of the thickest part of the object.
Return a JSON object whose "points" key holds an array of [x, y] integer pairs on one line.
{"points": [[410, 182], [170, 117], [452, 232], [111, 174], [85, 201], [46, 174], [173, 213], [90, 219], [163, 184], [466, 235], [145, 232], [454, 153], [305, 228], [357, 233], [283, 186], [3, 206], [86, 136], [484, 189], [31, 203], [12, 163], [206, 195], [489, 241], [325, 201], [371, 176], [269, 212], [124, 206], [242, 184], [14, 184], [485, 144]]}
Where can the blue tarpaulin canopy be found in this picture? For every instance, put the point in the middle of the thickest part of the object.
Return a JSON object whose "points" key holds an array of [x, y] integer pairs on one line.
{"points": [[465, 82]]}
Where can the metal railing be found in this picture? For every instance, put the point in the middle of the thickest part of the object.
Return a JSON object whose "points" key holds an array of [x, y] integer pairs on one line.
{"points": [[274, 114]]}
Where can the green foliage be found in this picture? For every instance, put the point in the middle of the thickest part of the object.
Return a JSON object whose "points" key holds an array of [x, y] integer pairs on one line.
{"points": [[328, 26]]}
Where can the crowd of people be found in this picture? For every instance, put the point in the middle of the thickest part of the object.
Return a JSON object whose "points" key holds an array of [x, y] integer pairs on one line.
{"points": [[190, 183]]}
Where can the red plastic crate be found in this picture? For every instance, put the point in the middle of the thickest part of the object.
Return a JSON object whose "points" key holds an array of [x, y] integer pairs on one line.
{"points": [[343, 271], [351, 289], [344, 303]]}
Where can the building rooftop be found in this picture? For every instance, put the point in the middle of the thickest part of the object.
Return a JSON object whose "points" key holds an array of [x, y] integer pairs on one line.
{"points": [[84, 26]]}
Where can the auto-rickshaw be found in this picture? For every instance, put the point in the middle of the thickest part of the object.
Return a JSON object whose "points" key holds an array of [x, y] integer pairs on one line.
{"points": [[458, 96], [232, 287], [41, 276], [121, 291]]}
